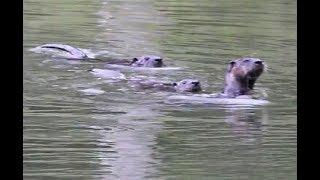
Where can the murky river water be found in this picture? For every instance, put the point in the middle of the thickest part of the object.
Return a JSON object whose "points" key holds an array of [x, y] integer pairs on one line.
{"points": [[124, 133]]}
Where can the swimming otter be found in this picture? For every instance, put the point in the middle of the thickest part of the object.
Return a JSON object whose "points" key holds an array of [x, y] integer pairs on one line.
{"points": [[241, 76], [72, 53], [185, 85], [142, 61]]}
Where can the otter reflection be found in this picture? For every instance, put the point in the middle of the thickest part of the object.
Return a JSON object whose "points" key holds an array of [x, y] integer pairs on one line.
{"points": [[247, 124]]}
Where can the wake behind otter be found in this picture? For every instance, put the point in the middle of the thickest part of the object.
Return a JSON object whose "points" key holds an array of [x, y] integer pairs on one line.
{"points": [[212, 99]]}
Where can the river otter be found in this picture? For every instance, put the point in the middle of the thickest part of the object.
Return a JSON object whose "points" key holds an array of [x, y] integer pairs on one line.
{"points": [[241, 76], [185, 85], [72, 53], [142, 61]]}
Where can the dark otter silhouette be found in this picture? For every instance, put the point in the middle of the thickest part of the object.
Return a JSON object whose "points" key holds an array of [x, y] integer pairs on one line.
{"points": [[241, 76]]}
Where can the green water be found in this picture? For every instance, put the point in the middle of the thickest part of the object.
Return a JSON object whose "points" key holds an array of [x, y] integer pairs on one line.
{"points": [[129, 134]]}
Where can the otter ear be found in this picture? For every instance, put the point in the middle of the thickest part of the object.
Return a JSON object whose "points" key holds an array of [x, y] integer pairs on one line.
{"points": [[174, 84], [231, 64]]}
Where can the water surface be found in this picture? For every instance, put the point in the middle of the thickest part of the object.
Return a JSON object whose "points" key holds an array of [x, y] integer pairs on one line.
{"points": [[119, 132]]}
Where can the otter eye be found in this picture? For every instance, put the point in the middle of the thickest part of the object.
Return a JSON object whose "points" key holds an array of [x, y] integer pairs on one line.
{"points": [[146, 58], [174, 84], [134, 59]]}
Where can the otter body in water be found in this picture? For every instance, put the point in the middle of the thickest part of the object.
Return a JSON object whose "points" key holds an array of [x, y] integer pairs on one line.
{"points": [[142, 61], [241, 76], [185, 85], [62, 51], [72, 53]]}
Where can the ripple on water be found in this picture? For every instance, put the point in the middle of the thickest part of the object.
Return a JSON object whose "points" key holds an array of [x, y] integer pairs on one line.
{"points": [[127, 133]]}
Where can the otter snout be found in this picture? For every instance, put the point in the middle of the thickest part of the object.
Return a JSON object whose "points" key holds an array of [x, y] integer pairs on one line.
{"points": [[159, 62], [259, 62], [196, 83], [196, 86]]}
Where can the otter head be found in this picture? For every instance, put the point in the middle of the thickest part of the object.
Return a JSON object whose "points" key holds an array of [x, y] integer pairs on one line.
{"points": [[242, 74], [147, 61], [187, 85]]}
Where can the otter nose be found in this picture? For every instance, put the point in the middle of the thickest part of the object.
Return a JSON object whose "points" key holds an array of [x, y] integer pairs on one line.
{"points": [[258, 62], [195, 82]]}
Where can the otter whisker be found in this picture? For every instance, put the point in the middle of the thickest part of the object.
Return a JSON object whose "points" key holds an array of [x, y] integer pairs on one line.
{"points": [[266, 68]]}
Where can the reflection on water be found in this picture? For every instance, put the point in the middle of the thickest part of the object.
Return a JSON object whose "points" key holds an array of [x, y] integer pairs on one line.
{"points": [[78, 125], [246, 125], [134, 146]]}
